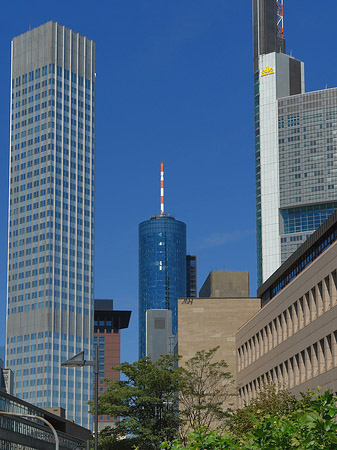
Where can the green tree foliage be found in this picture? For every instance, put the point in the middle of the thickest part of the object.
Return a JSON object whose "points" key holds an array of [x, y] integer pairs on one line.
{"points": [[269, 401], [146, 402], [204, 440], [206, 385], [310, 426]]}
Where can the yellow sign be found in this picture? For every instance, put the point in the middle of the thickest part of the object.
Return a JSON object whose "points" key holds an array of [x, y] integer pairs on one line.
{"points": [[267, 71]]}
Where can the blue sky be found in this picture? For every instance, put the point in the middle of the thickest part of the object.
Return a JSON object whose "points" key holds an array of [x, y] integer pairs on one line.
{"points": [[174, 84]]}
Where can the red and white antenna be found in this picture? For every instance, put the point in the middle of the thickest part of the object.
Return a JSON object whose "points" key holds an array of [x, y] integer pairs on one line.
{"points": [[279, 14], [162, 189]]}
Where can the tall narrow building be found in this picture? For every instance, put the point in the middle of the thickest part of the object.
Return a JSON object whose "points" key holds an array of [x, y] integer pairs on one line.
{"points": [[162, 268], [295, 145], [50, 309]]}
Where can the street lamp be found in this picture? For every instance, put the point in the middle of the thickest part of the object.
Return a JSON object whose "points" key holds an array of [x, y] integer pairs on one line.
{"points": [[79, 361], [57, 442]]}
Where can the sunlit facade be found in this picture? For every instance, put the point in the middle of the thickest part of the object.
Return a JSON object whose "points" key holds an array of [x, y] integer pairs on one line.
{"points": [[295, 145], [51, 217], [162, 269]]}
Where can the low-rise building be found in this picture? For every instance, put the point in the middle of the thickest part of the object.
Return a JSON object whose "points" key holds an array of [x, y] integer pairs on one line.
{"points": [[18, 432], [205, 323], [292, 340], [108, 324]]}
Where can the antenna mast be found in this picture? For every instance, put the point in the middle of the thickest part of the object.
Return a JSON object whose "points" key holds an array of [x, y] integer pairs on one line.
{"points": [[162, 189], [279, 20]]}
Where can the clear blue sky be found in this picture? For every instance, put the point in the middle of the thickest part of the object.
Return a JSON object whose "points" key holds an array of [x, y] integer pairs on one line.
{"points": [[174, 84]]}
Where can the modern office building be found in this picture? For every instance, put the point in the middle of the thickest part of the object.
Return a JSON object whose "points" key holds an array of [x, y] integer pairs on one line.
{"points": [[159, 338], [50, 308], [292, 340], [162, 269], [162, 266], [108, 324], [295, 145], [191, 276], [31, 433]]}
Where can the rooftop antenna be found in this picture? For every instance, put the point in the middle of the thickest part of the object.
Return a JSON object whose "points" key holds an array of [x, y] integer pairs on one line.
{"points": [[162, 189], [279, 23]]}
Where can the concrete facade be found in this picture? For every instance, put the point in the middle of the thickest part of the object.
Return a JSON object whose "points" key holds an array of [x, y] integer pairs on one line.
{"points": [[224, 284], [158, 333], [292, 341], [205, 323]]}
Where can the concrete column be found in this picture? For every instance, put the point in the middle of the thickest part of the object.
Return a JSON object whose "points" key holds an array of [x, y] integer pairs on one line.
{"points": [[295, 317], [333, 288], [314, 353], [307, 312], [301, 313], [328, 352]]}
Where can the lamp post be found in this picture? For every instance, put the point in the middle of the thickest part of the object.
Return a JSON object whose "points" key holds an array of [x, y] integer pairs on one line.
{"points": [[79, 361], [57, 442]]}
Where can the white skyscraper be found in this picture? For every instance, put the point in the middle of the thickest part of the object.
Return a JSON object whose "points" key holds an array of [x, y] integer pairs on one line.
{"points": [[295, 145], [51, 217]]}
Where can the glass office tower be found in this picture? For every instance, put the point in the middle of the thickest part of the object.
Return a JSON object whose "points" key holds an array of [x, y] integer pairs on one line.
{"points": [[162, 269], [295, 145], [51, 217]]}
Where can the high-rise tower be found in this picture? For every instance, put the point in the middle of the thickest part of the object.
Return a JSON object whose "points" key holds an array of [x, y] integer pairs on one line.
{"points": [[162, 266], [51, 217], [295, 145]]}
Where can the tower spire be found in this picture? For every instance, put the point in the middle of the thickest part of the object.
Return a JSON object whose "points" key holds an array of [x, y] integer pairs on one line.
{"points": [[162, 189], [279, 13]]}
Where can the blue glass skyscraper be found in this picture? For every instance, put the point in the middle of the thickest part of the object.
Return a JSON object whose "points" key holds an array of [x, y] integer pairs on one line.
{"points": [[162, 269], [51, 217]]}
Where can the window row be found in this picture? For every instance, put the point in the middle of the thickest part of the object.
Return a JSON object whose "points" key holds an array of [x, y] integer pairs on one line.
{"points": [[320, 299]]}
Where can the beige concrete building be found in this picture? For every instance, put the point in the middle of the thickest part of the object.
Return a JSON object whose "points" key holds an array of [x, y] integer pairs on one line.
{"points": [[224, 284], [205, 323], [292, 340]]}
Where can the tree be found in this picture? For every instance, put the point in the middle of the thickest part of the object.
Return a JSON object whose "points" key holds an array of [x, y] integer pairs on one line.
{"points": [[311, 425], [270, 401], [203, 440], [146, 402], [205, 388]]}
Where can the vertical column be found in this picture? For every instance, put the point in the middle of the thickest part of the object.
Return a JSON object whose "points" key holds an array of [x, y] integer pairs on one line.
{"points": [[274, 332], [308, 356], [328, 352], [284, 326], [334, 348], [333, 288], [296, 369], [315, 310], [265, 335], [291, 373], [307, 313], [300, 313], [321, 356], [314, 353], [295, 317], [279, 329], [326, 293], [290, 321], [303, 374]]}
